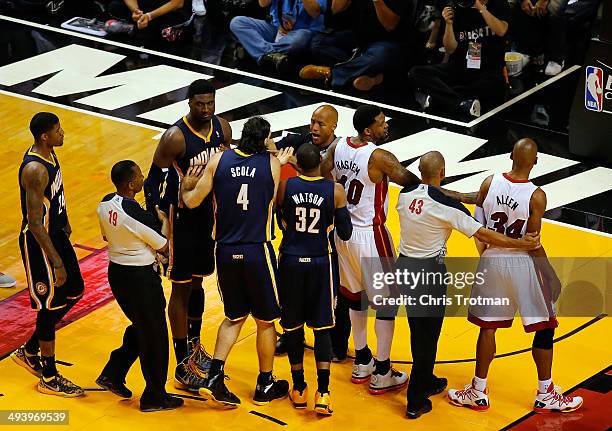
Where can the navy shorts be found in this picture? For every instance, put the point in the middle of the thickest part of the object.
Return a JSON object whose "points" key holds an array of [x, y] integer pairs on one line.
{"points": [[191, 247], [44, 295], [246, 275], [307, 288]]}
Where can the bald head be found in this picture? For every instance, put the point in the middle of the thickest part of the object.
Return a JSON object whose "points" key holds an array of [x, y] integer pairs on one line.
{"points": [[524, 154], [431, 166], [323, 125]]}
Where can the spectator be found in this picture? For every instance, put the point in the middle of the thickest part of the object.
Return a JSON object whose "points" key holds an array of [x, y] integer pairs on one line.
{"points": [[165, 18], [474, 38], [379, 28], [540, 32], [6, 280], [289, 33], [335, 43]]}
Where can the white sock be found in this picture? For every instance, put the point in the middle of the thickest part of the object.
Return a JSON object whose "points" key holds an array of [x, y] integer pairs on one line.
{"points": [[384, 338], [479, 384], [359, 324], [543, 385]]}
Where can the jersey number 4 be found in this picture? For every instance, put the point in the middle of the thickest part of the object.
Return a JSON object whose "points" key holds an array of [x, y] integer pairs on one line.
{"points": [[302, 220], [513, 231], [243, 197]]}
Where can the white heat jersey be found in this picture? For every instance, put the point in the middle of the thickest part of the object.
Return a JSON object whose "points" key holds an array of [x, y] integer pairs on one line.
{"points": [[367, 202], [506, 207]]}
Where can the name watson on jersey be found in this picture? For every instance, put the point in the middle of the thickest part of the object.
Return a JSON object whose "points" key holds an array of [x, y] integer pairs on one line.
{"points": [[430, 300]]}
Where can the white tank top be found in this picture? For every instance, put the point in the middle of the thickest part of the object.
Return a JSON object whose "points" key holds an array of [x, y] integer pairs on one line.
{"points": [[506, 207], [367, 202]]}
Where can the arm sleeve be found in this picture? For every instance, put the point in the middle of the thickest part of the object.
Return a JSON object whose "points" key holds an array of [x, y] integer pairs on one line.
{"points": [[144, 225], [479, 215], [463, 222], [343, 224], [153, 187]]}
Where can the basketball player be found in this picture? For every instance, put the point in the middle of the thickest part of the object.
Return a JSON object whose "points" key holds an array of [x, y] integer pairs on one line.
{"points": [[310, 207], [243, 182], [509, 203], [54, 278], [365, 170], [323, 123], [190, 142]]}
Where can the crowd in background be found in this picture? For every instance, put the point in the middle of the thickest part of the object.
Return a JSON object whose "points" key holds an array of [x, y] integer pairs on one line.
{"points": [[453, 54]]}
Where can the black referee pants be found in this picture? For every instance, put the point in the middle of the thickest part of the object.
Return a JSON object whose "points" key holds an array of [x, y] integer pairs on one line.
{"points": [[139, 293], [425, 320]]}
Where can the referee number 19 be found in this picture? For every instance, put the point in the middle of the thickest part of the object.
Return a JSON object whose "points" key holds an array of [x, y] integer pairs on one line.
{"points": [[112, 217]]}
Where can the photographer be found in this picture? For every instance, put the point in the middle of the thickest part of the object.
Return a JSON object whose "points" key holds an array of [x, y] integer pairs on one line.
{"points": [[474, 38]]}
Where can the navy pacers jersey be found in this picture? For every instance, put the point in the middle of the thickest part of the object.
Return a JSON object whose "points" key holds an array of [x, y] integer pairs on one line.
{"points": [[243, 194], [198, 151], [54, 202], [307, 216]]}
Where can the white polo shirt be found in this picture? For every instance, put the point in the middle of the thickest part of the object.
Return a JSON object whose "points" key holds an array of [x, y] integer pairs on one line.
{"points": [[132, 233], [427, 218]]}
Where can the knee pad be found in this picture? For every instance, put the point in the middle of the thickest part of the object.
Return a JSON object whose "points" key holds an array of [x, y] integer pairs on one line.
{"points": [[45, 325], [295, 345], [196, 302], [543, 339], [322, 345]]}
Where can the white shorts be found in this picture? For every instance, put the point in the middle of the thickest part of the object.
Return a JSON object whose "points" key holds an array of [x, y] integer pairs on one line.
{"points": [[359, 258], [513, 282]]}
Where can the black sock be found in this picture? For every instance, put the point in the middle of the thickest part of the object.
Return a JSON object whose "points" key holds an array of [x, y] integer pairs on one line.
{"points": [[382, 367], [298, 380], [32, 345], [363, 356], [323, 381], [216, 367], [180, 349], [48, 364], [264, 377], [193, 328]]}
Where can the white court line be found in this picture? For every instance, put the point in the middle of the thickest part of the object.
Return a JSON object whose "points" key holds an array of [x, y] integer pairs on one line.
{"points": [[523, 95], [146, 126], [82, 111], [234, 71], [292, 84]]}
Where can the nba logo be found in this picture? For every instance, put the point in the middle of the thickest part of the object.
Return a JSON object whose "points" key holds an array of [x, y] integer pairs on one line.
{"points": [[593, 89]]}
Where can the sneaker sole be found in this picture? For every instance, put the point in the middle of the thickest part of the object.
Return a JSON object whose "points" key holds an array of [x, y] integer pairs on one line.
{"points": [[475, 408], [46, 391], [183, 387], [359, 380], [322, 409], [545, 411], [298, 405], [24, 365], [380, 391], [263, 403], [208, 396], [158, 409], [108, 388]]}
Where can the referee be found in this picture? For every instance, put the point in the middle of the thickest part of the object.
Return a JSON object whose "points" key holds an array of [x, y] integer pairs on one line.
{"points": [[133, 236], [427, 218]]}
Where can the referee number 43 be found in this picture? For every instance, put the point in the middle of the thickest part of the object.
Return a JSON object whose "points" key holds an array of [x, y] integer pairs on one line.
{"points": [[416, 207]]}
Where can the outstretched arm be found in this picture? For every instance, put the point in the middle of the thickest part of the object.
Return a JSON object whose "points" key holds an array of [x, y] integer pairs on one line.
{"points": [[327, 164], [192, 192], [384, 162], [342, 218]]}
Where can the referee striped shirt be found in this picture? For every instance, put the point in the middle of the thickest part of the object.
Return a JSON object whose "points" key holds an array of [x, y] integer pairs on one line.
{"points": [[427, 218], [132, 233]]}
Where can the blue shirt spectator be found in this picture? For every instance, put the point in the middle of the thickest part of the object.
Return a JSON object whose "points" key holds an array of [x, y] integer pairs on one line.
{"points": [[294, 11]]}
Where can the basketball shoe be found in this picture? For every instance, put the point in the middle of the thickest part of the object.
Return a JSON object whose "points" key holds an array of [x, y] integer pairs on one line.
{"points": [[553, 401], [470, 397]]}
